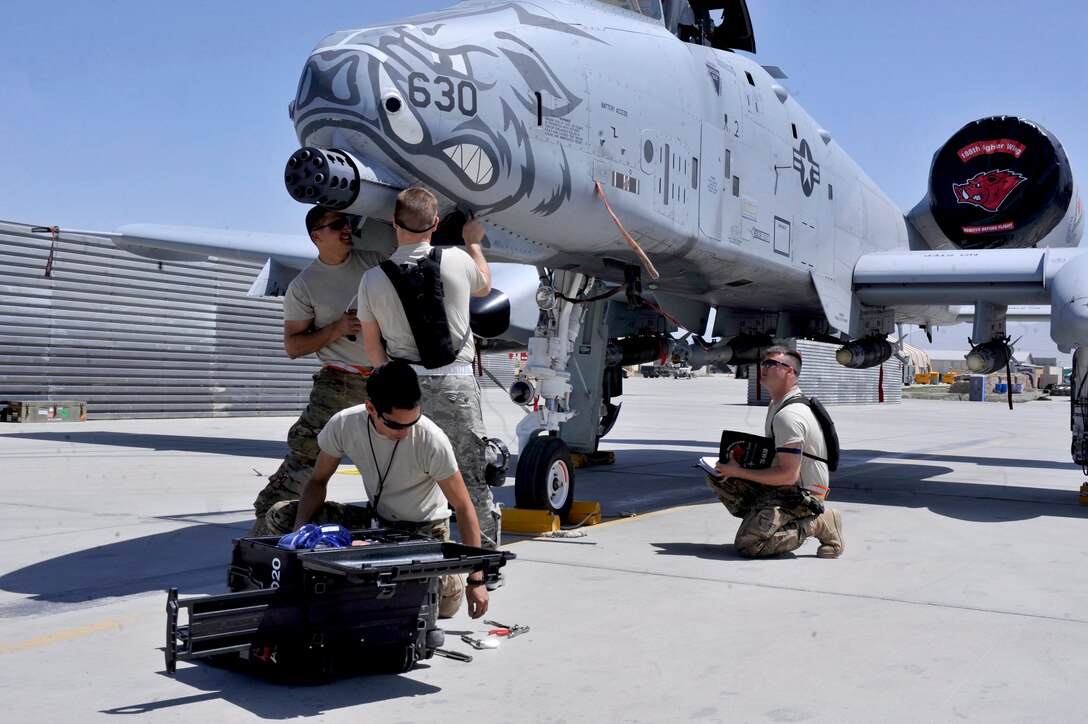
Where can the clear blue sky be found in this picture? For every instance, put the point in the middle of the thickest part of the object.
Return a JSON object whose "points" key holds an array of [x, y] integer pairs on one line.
{"points": [[130, 111]]}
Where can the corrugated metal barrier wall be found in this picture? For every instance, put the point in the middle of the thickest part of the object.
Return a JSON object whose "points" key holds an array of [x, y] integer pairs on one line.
{"points": [[134, 338], [823, 377]]}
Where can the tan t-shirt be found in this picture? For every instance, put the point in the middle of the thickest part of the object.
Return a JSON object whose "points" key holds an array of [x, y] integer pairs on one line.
{"points": [[794, 424], [415, 464], [378, 301], [322, 292]]}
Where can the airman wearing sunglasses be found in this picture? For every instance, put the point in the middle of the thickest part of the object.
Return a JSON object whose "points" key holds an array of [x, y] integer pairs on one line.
{"points": [[408, 470], [320, 319], [782, 505]]}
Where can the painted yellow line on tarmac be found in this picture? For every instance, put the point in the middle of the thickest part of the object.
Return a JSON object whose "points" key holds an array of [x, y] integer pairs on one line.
{"points": [[530, 537], [986, 445], [651, 514], [74, 633]]}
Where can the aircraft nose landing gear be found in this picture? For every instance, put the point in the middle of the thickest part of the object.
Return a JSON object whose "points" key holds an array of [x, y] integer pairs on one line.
{"points": [[545, 476], [544, 479]]}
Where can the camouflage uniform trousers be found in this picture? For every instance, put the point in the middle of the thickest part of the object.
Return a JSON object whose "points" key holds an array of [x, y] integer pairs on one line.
{"points": [[453, 403], [774, 519], [280, 520], [333, 391]]}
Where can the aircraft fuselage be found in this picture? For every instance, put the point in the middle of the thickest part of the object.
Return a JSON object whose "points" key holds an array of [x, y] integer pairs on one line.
{"points": [[517, 111]]}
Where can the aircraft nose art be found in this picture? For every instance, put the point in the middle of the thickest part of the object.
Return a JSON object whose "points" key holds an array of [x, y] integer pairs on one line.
{"points": [[340, 85], [412, 95], [444, 101]]}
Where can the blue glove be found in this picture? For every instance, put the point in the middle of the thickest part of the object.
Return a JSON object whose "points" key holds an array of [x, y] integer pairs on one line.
{"points": [[317, 536]]}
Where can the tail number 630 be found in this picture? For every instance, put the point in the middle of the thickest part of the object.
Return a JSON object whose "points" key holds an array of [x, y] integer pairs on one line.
{"points": [[443, 92]]}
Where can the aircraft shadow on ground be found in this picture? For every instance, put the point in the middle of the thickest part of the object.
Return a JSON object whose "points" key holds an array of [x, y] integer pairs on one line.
{"points": [[633, 484], [274, 700], [193, 559], [649, 479], [913, 486], [986, 460], [177, 443]]}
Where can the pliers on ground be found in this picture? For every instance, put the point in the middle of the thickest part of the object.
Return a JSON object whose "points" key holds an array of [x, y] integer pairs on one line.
{"points": [[507, 631]]}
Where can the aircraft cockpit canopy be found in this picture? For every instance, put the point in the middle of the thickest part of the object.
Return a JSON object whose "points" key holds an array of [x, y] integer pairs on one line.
{"points": [[690, 20], [649, 8]]}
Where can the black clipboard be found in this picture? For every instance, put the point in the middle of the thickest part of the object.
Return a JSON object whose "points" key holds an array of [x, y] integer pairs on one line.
{"points": [[753, 452]]}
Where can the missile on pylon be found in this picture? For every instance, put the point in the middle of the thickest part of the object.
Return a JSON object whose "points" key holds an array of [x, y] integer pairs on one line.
{"points": [[740, 350], [864, 353], [989, 357]]}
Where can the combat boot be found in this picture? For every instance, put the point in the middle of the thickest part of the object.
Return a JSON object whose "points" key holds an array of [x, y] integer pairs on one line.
{"points": [[827, 528]]}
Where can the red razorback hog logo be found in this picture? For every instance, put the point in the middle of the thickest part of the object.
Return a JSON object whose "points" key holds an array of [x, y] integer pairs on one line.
{"points": [[987, 190]]}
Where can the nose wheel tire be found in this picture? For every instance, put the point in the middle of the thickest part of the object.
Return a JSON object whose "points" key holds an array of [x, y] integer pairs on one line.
{"points": [[545, 476]]}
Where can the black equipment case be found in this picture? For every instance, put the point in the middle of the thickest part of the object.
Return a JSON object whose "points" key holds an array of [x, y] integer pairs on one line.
{"points": [[315, 614]]}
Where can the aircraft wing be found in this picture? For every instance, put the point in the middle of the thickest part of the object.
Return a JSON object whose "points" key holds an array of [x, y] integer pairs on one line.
{"points": [[285, 255], [1002, 277], [188, 243]]}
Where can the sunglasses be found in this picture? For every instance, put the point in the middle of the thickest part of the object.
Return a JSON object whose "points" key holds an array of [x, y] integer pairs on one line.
{"points": [[337, 225], [769, 363], [410, 229], [393, 425]]}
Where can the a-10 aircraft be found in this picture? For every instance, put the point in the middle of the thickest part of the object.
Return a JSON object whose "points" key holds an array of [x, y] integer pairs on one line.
{"points": [[706, 187]]}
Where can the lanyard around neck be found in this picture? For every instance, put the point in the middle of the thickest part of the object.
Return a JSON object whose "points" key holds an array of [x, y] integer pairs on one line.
{"points": [[374, 457]]}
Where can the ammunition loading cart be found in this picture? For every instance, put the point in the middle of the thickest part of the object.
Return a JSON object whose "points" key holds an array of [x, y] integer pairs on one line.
{"points": [[317, 614]]}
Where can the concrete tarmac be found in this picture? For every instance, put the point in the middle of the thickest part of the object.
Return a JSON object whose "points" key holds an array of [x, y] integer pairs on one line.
{"points": [[962, 594]]}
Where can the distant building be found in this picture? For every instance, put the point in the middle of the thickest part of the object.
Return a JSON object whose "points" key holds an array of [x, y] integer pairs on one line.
{"points": [[916, 362], [947, 360], [1043, 370]]}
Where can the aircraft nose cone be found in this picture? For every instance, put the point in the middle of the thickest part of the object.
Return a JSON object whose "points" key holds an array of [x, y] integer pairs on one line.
{"points": [[332, 77], [350, 83], [337, 84]]}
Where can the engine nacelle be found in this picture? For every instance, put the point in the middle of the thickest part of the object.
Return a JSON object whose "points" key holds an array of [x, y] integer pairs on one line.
{"points": [[989, 357], [1000, 183], [864, 353]]}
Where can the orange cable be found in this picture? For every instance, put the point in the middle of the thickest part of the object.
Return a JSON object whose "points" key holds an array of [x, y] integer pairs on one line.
{"points": [[631, 242]]}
